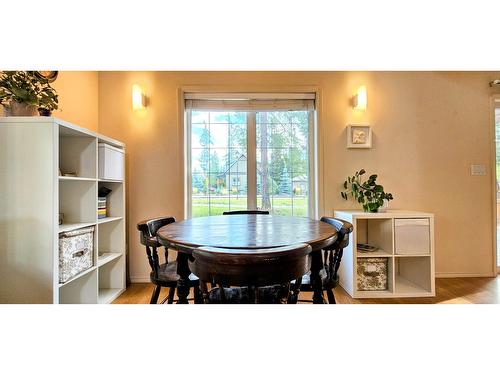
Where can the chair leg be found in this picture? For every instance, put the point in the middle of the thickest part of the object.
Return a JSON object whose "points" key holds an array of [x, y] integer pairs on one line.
{"points": [[198, 298], [331, 297], [171, 293], [284, 293], [293, 295], [204, 291], [222, 294], [255, 290], [155, 295]]}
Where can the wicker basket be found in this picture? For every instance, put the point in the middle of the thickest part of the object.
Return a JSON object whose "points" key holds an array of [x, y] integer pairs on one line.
{"points": [[76, 250], [372, 274]]}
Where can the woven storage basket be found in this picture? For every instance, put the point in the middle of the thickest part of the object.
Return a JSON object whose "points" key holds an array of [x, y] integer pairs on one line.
{"points": [[372, 274], [76, 250]]}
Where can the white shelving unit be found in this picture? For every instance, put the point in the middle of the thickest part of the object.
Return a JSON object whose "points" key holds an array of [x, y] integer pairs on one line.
{"points": [[410, 273], [34, 149]]}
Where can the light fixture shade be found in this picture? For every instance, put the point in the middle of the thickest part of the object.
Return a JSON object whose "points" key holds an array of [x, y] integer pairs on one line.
{"points": [[138, 98], [360, 100]]}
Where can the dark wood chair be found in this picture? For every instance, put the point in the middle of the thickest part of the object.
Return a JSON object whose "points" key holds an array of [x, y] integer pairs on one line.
{"points": [[162, 275], [253, 275], [332, 258], [246, 212]]}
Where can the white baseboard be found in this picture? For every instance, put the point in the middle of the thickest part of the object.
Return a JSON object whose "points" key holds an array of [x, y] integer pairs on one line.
{"points": [[445, 275], [136, 280]]}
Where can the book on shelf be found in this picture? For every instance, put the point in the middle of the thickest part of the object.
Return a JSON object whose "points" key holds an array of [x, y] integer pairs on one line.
{"points": [[101, 207], [366, 247]]}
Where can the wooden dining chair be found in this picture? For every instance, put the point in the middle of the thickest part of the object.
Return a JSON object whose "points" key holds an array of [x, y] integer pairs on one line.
{"points": [[250, 275], [332, 257], [162, 275], [246, 212]]}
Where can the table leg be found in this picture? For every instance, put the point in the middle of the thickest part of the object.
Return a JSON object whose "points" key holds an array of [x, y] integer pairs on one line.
{"points": [[183, 271], [316, 266]]}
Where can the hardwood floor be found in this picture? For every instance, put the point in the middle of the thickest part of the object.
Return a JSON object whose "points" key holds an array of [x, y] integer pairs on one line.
{"points": [[456, 290]]}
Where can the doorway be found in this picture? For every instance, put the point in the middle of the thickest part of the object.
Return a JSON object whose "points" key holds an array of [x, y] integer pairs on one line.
{"points": [[496, 117]]}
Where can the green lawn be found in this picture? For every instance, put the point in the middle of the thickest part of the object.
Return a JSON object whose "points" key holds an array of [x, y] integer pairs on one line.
{"points": [[280, 205]]}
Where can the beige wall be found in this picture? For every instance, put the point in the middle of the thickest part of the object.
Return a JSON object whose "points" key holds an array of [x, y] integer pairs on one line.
{"points": [[428, 128], [78, 98]]}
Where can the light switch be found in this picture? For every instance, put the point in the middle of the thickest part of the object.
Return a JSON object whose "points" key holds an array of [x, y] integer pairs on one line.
{"points": [[478, 170]]}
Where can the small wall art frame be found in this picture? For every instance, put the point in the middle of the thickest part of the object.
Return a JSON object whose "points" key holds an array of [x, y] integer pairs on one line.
{"points": [[359, 136]]}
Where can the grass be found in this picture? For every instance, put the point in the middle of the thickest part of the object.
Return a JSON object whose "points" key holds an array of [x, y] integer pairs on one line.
{"points": [[280, 205]]}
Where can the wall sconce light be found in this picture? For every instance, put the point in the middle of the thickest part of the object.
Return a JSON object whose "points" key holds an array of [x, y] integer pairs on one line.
{"points": [[139, 99], [359, 101]]}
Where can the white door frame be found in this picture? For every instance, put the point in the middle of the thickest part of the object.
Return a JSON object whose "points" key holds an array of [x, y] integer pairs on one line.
{"points": [[495, 103]]}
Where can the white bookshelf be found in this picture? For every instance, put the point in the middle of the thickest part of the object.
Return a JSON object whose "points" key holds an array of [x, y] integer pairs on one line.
{"points": [[409, 274], [34, 149]]}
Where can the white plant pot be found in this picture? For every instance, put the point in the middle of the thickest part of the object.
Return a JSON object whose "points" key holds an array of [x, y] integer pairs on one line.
{"points": [[385, 207]]}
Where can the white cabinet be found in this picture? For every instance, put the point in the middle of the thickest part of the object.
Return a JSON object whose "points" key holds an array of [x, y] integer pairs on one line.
{"points": [[33, 151], [404, 245]]}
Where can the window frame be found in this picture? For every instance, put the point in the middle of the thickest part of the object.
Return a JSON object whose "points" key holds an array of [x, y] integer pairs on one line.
{"points": [[251, 162]]}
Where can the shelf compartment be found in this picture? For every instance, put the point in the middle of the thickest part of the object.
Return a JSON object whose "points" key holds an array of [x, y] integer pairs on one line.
{"points": [[111, 279], [111, 238], [76, 277], [405, 286], [390, 278], [77, 154], [83, 289], [105, 258], [78, 201], [115, 199], [375, 232], [413, 275], [70, 130], [412, 236], [108, 295]]}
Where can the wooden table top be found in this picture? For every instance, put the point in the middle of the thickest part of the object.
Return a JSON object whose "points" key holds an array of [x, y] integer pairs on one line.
{"points": [[246, 232]]}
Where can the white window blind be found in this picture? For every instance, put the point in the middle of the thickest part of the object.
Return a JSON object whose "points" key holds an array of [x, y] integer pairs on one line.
{"points": [[250, 101]]}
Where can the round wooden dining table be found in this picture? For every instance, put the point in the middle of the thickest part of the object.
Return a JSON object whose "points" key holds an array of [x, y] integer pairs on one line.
{"points": [[249, 232]]}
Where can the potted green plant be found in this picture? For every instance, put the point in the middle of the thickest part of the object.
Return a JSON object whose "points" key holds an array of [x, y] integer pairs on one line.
{"points": [[368, 193], [24, 92], [48, 100]]}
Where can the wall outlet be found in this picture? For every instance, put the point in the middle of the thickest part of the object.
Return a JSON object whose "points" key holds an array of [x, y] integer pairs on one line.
{"points": [[478, 170]]}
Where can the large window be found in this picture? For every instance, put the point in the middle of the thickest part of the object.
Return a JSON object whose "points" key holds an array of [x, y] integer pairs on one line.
{"points": [[250, 155], [218, 162]]}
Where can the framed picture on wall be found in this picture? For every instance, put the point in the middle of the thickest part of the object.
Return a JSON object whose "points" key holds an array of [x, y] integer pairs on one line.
{"points": [[359, 136]]}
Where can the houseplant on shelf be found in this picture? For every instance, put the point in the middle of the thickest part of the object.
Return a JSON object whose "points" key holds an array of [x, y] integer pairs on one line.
{"points": [[24, 92], [48, 100], [368, 193]]}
